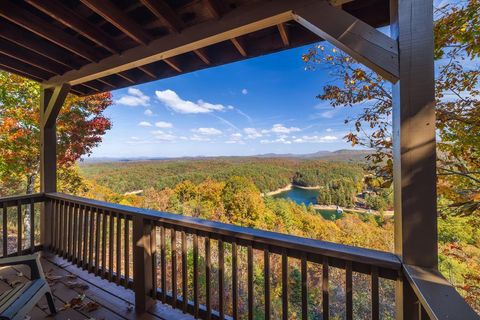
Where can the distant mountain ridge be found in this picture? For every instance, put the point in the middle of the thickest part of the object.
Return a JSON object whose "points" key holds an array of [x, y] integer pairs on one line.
{"points": [[343, 154]]}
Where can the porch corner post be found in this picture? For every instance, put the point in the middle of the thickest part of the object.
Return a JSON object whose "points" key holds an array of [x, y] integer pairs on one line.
{"points": [[414, 146], [143, 263], [51, 101]]}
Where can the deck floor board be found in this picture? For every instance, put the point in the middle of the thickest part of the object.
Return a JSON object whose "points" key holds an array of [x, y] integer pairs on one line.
{"points": [[114, 302]]}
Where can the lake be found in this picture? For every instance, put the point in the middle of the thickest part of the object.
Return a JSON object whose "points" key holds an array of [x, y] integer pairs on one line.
{"points": [[307, 197]]}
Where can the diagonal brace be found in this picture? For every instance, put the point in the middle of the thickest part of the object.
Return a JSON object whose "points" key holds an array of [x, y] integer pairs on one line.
{"points": [[52, 102], [356, 38]]}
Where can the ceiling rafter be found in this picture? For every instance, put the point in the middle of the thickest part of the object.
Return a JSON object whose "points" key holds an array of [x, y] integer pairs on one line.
{"points": [[69, 18], [240, 46], [31, 57], [172, 64], [165, 14], [119, 19], [148, 71], [282, 29], [24, 67], [30, 42], [216, 8], [17, 15], [203, 56]]}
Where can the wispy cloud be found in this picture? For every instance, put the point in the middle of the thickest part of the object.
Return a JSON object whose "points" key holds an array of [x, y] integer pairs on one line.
{"points": [[148, 113], [163, 136], [281, 129], [144, 124], [244, 91], [163, 124], [134, 98], [315, 139], [207, 131], [175, 103], [252, 133]]}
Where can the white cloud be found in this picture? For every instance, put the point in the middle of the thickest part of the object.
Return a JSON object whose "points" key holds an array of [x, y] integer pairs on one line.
{"points": [[315, 139], [329, 129], [207, 131], [196, 137], [148, 112], [252, 133], [145, 124], [163, 124], [244, 91], [134, 98], [282, 139], [163, 136], [280, 128], [172, 101]]}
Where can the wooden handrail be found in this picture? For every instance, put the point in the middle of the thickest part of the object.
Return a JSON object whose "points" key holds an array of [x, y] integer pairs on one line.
{"points": [[11, 201]]}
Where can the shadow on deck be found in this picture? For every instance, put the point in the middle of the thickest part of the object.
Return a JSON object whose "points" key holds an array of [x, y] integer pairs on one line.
{"points": [[80, 295]]}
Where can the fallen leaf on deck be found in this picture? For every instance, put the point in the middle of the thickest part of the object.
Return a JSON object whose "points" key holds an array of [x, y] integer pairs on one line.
{"points": [[15, 282], [74, 303], [53, 278], [43, 306], [72, 276], [19, 274], [91, 306], [130, 308]]}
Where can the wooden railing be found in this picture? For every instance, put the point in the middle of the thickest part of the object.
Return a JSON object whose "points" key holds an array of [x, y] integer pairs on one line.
{"points": [[214, 270]]}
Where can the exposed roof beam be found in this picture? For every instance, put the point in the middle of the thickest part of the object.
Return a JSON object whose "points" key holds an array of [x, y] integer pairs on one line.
{"points": [[31, 57], [216, 8], [20, 73], [240, 45], [164, 13], [147, 70], [71, 19], [361, 41], [172, 64], [33, 43], [126, 76], [106, 83], [250, 18], [283, 34], [24, 67], [119, 19], [12, 12], [202, 55]]}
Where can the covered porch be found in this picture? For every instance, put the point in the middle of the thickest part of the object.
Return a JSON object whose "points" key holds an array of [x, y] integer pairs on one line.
{"points": [[148, 259]]}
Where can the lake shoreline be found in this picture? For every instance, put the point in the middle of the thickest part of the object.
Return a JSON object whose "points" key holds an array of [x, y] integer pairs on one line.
{"points": [[289, 187]]}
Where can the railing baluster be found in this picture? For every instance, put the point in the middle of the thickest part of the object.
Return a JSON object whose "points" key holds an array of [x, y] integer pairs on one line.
{"points": [[75, 234], [119, 248], [163, 263], [70, 230], [85, 237], [195, 275], [127, 256], [60, 228], [348, 290], [304, 287], [5, 229], [250, 281], [81, 244], [19, 228], [153, 250], [266, 275], [173, 241], [375, 298], [104, 243], [65, 230], [221, 279], [234, 281], [32, 226], [111, 233], [284, 285], [91, 238], [325, 303], [207, 277], [97, 241], [184, 272]]}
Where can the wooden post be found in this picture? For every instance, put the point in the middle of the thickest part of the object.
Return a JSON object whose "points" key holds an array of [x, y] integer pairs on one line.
{"points": [[414, 153], [142, 263], [51, 101]]}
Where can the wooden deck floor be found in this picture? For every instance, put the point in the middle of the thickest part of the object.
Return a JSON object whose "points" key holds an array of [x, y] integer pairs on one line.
{"points": [[80, 295]]}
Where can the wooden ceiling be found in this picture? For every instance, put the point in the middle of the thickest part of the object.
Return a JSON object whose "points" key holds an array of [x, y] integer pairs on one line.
{"points": [[44, 39]]}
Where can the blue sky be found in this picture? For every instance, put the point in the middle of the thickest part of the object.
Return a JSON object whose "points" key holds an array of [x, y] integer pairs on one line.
{"points": [[257, 106]]}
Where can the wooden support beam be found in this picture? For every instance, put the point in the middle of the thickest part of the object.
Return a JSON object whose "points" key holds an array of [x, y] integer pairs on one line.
{"points": [[240, 46], [216, 8], [283, 34], [148, 71], [173, 65], [55, 103], [71, 19], [202, 55], [20, 73], [164, 13], [119, 19], [12, 12], [36, 44], [252, 17], [126, 76], [353, 36]]}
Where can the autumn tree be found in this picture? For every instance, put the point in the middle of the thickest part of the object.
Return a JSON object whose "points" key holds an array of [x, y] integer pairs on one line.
{"points": [[80, 127], [457, 45]]}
